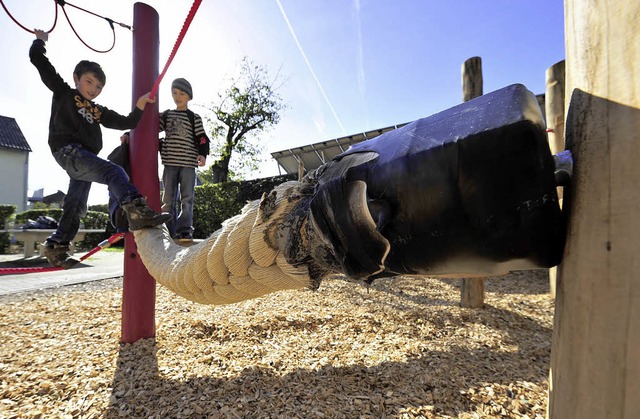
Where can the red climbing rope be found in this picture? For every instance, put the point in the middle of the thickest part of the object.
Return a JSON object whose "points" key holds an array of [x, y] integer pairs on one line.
{"points": [[55, 19], [102, 245], [183, 32]]}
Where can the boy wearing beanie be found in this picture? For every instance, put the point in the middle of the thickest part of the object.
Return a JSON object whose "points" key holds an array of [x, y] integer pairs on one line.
{"points": [[184, 148]]}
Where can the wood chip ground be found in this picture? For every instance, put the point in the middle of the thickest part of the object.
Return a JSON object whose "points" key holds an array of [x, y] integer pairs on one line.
{"points": [[401, 348]]}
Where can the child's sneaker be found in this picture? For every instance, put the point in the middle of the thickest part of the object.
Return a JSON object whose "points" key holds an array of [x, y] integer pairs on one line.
{"points": [[140, 215], [58, 255]]}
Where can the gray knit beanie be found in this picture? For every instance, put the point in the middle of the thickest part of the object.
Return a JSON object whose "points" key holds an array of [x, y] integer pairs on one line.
{"points": [[183, 85]]}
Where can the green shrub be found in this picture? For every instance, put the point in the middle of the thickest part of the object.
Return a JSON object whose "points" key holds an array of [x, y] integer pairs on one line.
{"points": [[6, 213], [99, 208], [213, 204], [33, 214], [91, 220], [253, 189]]}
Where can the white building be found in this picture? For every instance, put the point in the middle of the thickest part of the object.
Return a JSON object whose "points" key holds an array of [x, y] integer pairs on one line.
{"points": [[14, 164]]}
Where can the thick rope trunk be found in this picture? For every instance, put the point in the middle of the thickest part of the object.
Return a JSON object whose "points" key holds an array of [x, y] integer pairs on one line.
{"points": [[240, 261]]}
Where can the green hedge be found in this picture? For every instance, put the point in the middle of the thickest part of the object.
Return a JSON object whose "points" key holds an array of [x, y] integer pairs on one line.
{"points": [[93, 219], [215, 203], [6, 214]]}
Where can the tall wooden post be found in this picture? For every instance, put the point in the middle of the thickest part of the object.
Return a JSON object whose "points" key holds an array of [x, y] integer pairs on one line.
{"points": [[554, 112], [471, 78], [595, 356], [472, 289], [554, 105], [139, 288], [300, 169]]}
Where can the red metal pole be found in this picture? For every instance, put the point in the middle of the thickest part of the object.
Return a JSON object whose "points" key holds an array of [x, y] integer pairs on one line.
{"points": [[139, 288]]}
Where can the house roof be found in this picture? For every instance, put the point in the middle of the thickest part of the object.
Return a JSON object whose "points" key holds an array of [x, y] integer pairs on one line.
{"points": [[11, 136], [315, 155]]}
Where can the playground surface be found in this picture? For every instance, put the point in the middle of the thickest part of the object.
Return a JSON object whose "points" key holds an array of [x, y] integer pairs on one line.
{"points": [[400, 348], [100, 265]]}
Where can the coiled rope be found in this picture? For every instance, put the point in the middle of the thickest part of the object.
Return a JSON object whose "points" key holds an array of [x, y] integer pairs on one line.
{"points": [[240, 261]]}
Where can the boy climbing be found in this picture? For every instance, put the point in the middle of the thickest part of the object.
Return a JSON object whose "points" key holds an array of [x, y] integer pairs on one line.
{"points": [[75, 139]]}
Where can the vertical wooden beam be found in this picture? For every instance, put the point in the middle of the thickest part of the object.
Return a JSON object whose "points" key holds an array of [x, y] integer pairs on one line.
{"points": [[139, 288], [554, 115], [300, 169], [471, 78], [595, 357], [554, 105], [472, 289]]}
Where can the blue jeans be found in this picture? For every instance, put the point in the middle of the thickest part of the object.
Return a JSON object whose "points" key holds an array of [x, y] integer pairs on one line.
{"points": [[83, 168], [182, 179]]}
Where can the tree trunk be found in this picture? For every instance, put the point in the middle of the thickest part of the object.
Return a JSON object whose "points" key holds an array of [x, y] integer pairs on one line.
{"points": [[220, 170]]}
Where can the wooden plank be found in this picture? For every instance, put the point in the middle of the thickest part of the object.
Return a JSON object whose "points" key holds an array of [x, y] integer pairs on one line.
{"points": [[595, 361]]}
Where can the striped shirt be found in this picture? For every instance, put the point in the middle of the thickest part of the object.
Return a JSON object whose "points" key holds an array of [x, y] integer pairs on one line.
{"points": [[178, 147]]}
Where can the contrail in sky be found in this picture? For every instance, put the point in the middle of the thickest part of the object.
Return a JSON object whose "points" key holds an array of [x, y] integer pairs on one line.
{"points": [[295, 38], [361, 78]]}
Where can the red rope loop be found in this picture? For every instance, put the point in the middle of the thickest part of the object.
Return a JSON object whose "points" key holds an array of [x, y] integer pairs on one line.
{"points": [[183, 32], [63, 3], [55, 19], [82, 40]]}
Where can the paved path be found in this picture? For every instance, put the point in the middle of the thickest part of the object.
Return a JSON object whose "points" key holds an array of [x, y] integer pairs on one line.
{"points": [[101, 265]]}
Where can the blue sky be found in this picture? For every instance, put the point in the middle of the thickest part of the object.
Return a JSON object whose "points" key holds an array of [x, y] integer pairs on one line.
{"points": [[348, 65]]}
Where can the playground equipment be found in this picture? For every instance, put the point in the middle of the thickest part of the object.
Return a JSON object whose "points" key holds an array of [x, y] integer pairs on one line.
{"points": [[595, 371], [470, 191]]}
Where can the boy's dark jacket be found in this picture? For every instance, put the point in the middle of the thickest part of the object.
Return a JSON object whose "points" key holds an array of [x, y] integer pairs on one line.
{"points": [[75, 120]]}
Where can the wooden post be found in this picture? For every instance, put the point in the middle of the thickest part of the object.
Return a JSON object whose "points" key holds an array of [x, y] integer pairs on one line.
{"points": [[554, 112], [595, 355], [139, 288], [300, 169], [554, 105], [471, 78], [472, 289]]}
